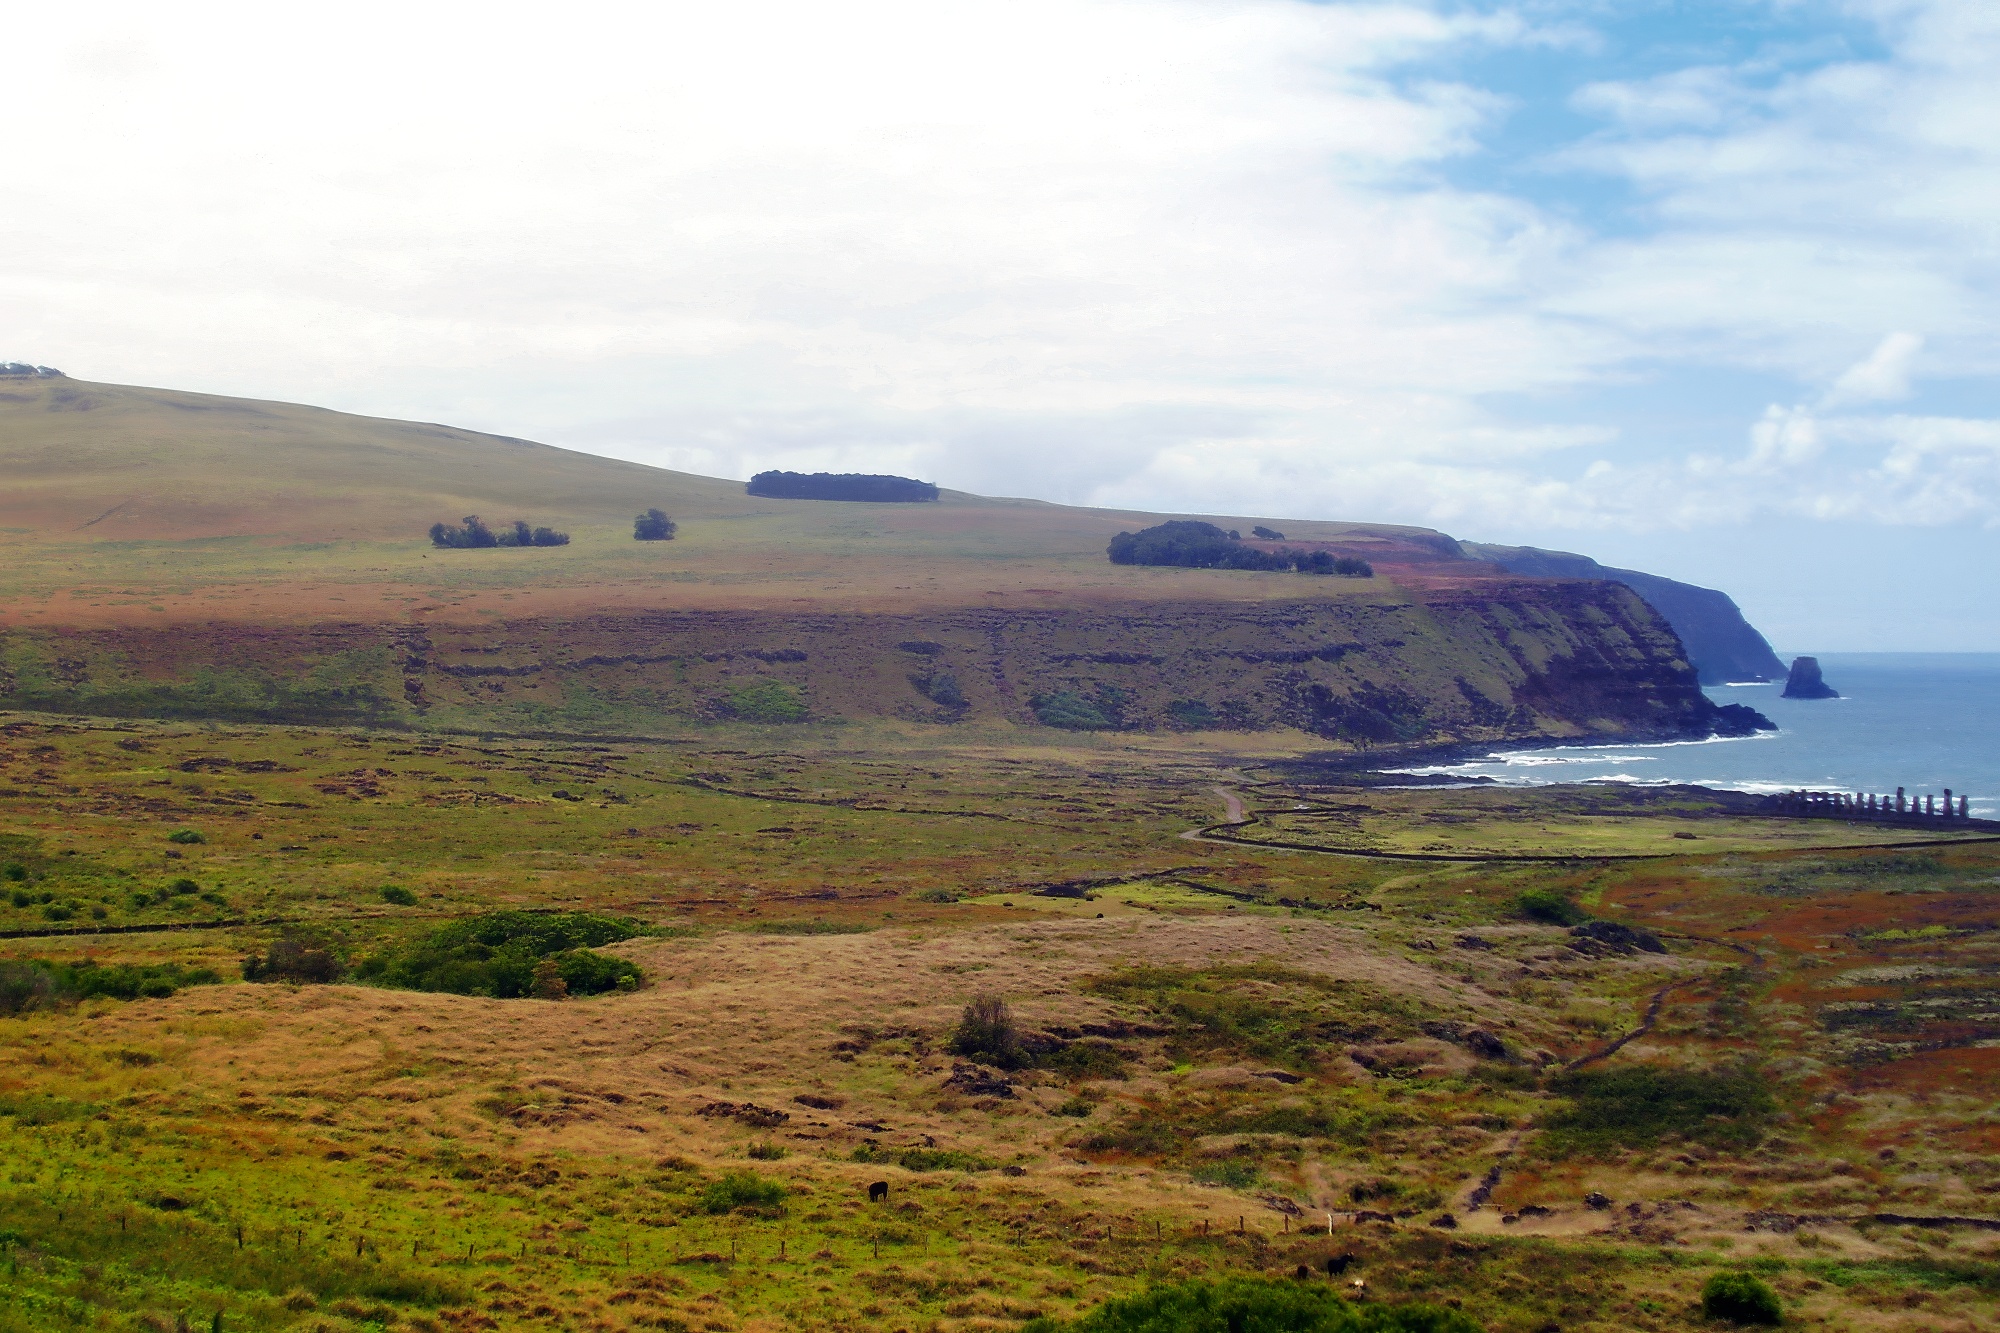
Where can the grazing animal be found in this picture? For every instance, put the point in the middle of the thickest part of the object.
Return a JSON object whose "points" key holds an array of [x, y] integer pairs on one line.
{"points": [[1303, 1273], [1337, 1264], [878, 1192]]}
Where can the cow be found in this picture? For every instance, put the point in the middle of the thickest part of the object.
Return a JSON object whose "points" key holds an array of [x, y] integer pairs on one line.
{"points": [[878, 1192]]}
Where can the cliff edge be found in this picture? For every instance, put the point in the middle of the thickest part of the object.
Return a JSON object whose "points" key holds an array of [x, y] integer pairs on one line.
{"points": [[1722, 644]]}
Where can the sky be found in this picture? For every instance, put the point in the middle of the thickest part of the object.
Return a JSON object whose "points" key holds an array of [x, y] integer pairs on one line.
{"points": [[1702, 288]]}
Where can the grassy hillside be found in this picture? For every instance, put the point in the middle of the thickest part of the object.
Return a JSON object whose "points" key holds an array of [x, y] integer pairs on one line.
{"points": [[136, 506], [173, 554]]}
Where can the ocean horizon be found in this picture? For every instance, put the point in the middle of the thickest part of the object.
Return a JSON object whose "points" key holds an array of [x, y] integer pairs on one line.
{"points": [[1921, 721]]}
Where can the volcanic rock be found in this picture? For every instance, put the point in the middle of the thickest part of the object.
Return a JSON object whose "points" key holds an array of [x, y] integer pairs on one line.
{"points": [[1805, 682]]}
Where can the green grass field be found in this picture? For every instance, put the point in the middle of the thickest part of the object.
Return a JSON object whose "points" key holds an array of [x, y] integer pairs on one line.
{"points": [[1246, 1040]]}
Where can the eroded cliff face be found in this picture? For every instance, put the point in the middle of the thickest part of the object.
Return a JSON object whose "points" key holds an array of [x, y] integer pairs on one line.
{"points": [[1509, 660]]}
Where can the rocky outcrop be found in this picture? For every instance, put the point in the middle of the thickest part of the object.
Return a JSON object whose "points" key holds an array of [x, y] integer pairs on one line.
{"points": [[1722, 645], [1805, 681]]}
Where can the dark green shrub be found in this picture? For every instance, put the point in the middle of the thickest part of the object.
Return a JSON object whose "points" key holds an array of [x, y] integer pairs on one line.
{"points": [[58, 911], [865, 486], [1192, 715], [1637, 1105], [1229, 1175], [22, 898], [769, 701], [15, 871], [1555, 908], [298, 955], [986, 1032], [941, 688], [924, 1159], [1077, 1107], [1740, 1299], [184, 886], [746, 1191], [185, 837], [397, 894], [498, 954], [1073, 712], [1084, 1059], [1252, 1305], [653, 526], [768, 1151], [36, 984]]}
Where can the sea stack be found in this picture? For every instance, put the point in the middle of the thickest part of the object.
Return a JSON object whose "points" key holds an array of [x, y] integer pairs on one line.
{"points": [[1805, 682]]}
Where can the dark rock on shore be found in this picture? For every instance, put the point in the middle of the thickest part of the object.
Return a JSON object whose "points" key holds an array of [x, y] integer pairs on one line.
{"points": [[1805, 682]]}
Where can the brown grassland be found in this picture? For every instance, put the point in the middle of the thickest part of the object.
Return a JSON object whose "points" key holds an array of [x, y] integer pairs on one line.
{"points": [[1258, 1043]]}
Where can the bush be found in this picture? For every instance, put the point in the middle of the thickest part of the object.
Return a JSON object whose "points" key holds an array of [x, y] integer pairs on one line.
{"points": [[768, 701], [1741, 1299], [398, 895], [1229, 1175], [866, 486], [500, 953], [653, 526], [1555, 908], [298, 955], [185, 837], [473, 534], [1638, 1105], [1252, 1305], [924, 1159], [1191, 544], [986, 1032], [1073, 712], [35, 984], [1084, 1059], [1191, 715], [746, 1191], [768, 1151]]}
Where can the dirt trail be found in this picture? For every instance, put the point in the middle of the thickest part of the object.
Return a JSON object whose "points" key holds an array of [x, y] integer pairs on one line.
{"points": [[1232, 813]]}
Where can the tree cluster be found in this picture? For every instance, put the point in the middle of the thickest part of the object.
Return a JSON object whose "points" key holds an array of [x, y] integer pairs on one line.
{"points": [[509, 955], [841, 486], [1192, 544], [653, 526], [473, 534]]}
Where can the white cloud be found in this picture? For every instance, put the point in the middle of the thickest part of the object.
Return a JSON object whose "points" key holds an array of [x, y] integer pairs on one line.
{"points": [[1883, 375], [1185, 254]]}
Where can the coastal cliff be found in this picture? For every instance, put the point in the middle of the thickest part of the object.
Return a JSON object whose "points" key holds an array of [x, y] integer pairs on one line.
{"points": [[1517, 660], [1722, 644]]}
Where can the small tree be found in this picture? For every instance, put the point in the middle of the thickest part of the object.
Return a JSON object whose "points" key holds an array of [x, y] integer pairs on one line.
{"points": [[986, 1032], [296, 955], [653, 526], [549, 983]]}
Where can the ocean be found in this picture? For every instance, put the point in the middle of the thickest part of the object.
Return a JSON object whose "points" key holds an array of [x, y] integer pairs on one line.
{"points": [[1923, 721]]}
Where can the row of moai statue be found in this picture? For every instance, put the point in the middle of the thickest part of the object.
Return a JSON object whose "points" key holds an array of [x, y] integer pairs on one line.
{"points": [[1868, 805]]}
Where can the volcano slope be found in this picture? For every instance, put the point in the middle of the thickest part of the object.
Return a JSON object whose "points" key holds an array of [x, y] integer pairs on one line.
{"points": [[174, 554]]}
